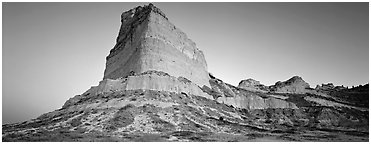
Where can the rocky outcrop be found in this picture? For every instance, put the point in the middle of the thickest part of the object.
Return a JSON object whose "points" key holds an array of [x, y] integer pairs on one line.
{"points": [[295, 85], [150, 80], [328, 86], [256, 102], [148, 41], [252, 85], [248, 83], [241, 98], [152, 54]]}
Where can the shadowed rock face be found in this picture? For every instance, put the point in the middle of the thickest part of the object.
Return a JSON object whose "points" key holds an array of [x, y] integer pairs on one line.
{"points": [[148, 41]]}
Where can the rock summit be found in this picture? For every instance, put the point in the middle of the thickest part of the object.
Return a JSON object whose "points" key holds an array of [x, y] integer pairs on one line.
{"points": [[148, 41]]}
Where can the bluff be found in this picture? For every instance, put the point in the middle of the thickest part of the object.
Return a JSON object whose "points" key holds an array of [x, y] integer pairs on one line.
{"points": [[147, 41], [156, 88]]}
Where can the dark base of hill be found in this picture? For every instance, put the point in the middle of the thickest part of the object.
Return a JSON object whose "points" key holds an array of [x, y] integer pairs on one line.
{"points": [[314, 135]]}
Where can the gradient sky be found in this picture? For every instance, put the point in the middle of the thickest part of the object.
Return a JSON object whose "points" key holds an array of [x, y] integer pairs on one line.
{"points": [[53, 51]]}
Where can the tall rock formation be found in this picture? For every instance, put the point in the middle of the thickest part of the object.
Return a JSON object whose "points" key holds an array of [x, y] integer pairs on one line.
{"points": [[156, 88], [148, 41]]}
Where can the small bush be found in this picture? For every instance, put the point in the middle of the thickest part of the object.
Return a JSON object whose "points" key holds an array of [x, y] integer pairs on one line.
{"points": [[221, 118], [76, 122]]}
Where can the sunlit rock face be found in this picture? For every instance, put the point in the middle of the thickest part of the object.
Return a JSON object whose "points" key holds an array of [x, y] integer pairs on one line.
{"points": [[255, 102], [295, 85], [148, 41], [252, 85], [242, 98], [248, 83], [156, 88], [150, 80]]}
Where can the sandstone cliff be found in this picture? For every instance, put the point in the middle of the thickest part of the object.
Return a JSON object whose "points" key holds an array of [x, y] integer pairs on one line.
{"points": [[148, 41]]}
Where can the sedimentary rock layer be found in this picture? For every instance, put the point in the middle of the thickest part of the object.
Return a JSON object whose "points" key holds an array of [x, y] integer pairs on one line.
{"points": [[148, 41], [241, 98], [255, 102], [150, 80]]}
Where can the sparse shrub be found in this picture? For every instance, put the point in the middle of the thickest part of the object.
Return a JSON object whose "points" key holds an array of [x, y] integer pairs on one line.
{"points": [[128, 106], [94, 111], [110, 128], [131, 73], [221, 118], [268, 121], [75, 122], [120, 120]]}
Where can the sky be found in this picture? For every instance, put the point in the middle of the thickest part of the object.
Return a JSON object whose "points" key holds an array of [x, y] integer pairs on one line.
{"points": [[54, 51]]}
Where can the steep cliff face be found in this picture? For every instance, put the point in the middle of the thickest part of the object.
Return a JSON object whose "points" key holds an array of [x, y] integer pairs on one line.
{"points": [[148, 41]]}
